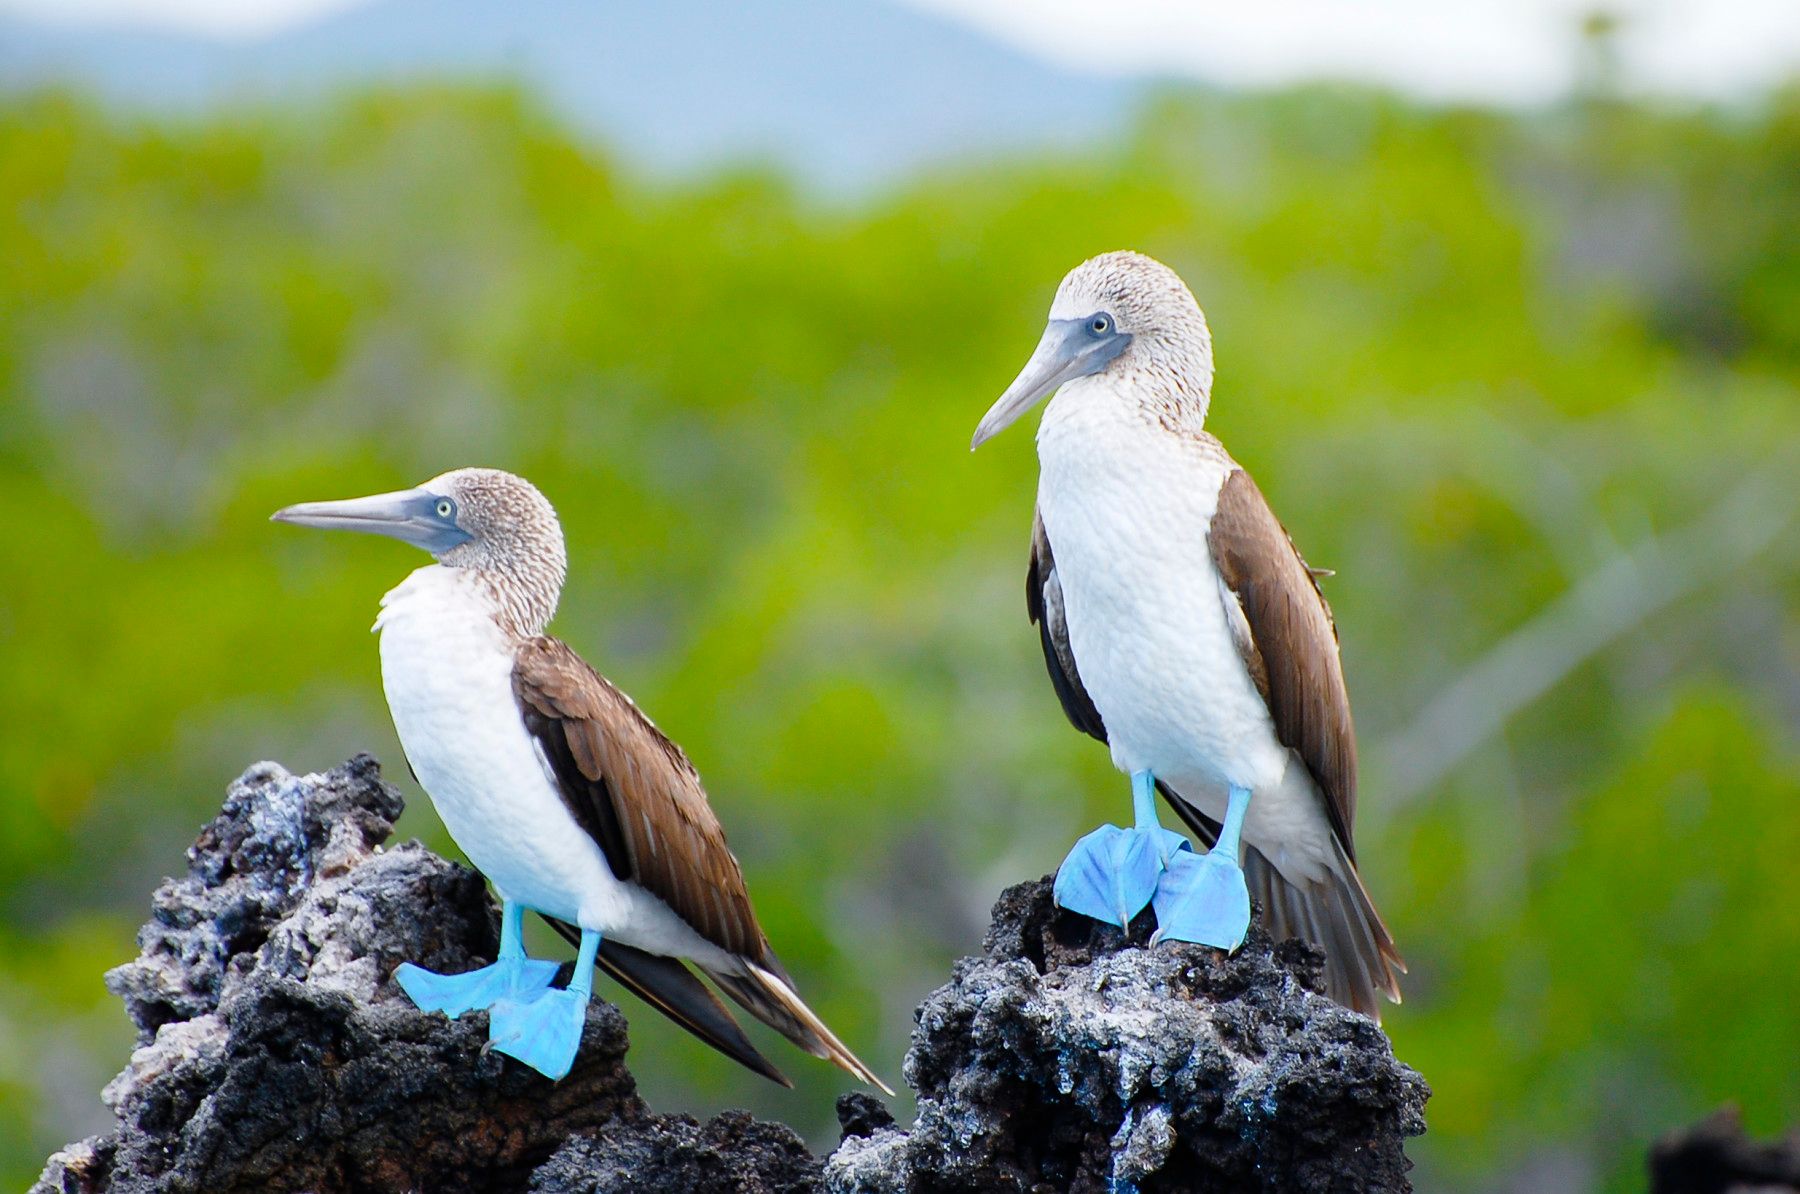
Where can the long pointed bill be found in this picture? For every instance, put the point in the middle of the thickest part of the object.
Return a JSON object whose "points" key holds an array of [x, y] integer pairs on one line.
{"points": [[1068, 350], [409, 515]]}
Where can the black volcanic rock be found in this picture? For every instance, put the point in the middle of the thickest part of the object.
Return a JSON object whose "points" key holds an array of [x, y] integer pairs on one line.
{"points": [[731, 1152], [275, 1054], [1714, 1156], [1071, 1056]]}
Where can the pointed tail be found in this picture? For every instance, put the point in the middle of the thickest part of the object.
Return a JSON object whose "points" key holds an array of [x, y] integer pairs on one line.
{"points": [[1337, 915], [767, 994]]}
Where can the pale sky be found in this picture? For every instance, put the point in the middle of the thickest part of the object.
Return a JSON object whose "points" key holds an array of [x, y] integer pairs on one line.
{"points": [[1502, 50]]}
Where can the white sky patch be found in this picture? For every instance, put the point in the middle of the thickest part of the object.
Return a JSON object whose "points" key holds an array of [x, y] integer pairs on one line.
{"points": [[225, 19], [1501, 50], [1507, 51]]}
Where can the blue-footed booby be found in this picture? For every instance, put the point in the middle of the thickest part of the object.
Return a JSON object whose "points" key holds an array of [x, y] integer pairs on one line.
{"points": [[1182, 628], [565, 796]]}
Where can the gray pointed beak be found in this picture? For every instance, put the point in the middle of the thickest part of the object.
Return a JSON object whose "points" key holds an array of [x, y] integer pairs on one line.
{"points": [[1067, 351], [409, 515]]}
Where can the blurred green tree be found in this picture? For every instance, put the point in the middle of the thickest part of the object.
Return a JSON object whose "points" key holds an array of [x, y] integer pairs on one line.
{"points": [[1476, 360]]}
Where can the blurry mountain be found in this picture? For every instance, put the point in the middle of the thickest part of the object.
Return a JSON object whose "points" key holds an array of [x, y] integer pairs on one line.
{"points": [[847, 95]]}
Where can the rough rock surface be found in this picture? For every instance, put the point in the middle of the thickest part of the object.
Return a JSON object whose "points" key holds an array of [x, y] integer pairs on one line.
{"points": [[1716, 1157], [275, 1053], [1072, 1057]]}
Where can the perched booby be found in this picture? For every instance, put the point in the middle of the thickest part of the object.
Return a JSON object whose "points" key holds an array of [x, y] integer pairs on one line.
{"points": [[1181, 627], [570, 801]]}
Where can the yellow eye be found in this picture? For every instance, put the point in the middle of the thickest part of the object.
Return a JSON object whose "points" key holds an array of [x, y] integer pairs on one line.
{"points": [[1100, 325], [444, 508]]}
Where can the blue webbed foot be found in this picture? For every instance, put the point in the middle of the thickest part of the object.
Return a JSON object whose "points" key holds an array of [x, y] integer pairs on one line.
{"points": [[543, 1032], [1112, 872], [454, 994], [512, 976], [1202, 897]]}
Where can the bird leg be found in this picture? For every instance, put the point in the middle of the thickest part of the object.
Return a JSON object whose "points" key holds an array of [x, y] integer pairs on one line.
{"points": [[1112, 872], [512, 974], [1202, 897], [544, 1030]]}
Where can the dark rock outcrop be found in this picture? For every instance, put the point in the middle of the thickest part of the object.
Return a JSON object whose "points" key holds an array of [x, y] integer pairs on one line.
{"points": [[1072, 1057], [276, 1054], [1716, 1157]]}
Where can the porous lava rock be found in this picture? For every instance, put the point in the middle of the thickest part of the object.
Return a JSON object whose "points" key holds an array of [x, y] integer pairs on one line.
{"points": [[1071, 1056], [275, 1053]]}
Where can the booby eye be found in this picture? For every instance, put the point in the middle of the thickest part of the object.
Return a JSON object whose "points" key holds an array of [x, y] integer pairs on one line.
{"points": [[445, 508], [1100, 324]]}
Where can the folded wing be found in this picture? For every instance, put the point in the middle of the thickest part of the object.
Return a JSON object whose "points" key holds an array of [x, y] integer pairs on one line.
{"points": [[640, 799]]}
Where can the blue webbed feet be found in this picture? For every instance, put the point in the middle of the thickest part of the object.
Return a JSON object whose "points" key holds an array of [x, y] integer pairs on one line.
{"points": [[544, 1031], [1202, 897], [1112, 872], [454, 994], [512, 976]]}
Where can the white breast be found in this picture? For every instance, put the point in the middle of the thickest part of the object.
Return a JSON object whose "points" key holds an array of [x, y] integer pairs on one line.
{"points": [[1125, 503], [447, 668]]}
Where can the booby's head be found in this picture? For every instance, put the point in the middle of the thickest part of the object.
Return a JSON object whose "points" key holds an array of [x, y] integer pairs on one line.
{"points": [[1121, 314], [492, 523]]}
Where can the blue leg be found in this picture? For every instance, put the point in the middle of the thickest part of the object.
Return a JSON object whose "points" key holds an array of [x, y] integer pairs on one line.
{"points": [[1202, 897], [545, 1031], [1112, 872], [512, 974]]}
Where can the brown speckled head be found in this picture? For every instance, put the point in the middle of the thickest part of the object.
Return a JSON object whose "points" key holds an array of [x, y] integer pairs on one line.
{"points": [[490, 525], [515, 541], [1150, 303], [1124, 316]]}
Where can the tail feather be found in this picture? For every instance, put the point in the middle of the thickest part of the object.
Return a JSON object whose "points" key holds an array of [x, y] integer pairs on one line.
{"points": [[1336, 914], [765, 992]]}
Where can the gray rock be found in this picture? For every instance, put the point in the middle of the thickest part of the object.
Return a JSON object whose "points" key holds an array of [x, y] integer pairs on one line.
{"points": [[276, 1054]]}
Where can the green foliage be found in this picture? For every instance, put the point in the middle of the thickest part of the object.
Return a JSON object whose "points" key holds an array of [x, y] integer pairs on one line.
{"points": [[1470, 357]]}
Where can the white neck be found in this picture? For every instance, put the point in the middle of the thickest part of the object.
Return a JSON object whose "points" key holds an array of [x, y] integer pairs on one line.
{"points": [[521, 609], [437, 592]]}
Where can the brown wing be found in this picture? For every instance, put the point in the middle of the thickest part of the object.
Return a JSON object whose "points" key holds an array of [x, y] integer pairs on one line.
{"points": [[636, 794], [1043, 601], [1291, 648]]}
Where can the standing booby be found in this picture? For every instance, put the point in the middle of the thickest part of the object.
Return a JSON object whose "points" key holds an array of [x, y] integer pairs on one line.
{"points": [[1181, 627], [570, 801]]}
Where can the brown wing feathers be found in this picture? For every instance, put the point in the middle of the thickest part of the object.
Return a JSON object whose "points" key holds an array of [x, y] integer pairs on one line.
{"points": [[1293, 647], [638, 796], [1292, 652], [636, 793]]}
